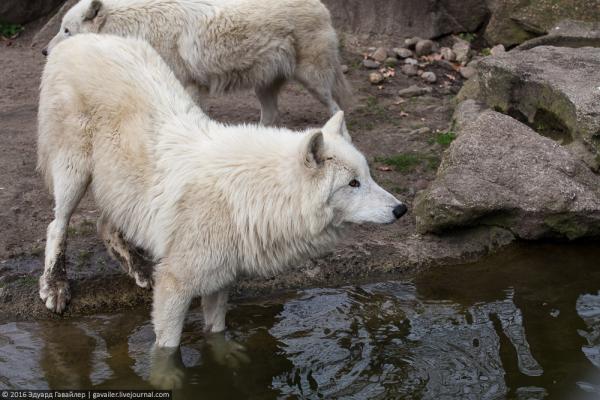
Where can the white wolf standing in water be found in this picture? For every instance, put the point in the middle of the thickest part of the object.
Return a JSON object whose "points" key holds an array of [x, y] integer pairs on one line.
{"points": [[207, 201], [225, 45]]}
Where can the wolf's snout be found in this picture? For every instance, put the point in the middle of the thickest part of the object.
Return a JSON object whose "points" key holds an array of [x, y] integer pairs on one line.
{"points": [[399, 211], [45, 51]]}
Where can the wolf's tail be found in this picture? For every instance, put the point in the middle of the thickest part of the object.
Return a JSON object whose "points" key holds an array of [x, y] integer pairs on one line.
{"points": [[342, 92]]}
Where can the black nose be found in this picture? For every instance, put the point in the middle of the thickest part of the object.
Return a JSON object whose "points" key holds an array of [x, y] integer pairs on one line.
{"points": [[400, 210], [45, 52]]}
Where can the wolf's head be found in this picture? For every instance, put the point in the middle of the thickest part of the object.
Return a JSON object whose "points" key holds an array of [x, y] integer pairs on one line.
{"points": [[87, 16], [342, 177]]}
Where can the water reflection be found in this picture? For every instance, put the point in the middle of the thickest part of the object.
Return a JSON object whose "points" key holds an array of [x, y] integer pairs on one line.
{"points": [[524, 324]]}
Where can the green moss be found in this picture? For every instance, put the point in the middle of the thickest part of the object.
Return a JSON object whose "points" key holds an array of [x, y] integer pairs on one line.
{"points": [[27, 280], [408, 162], [10, 30], [566, 225], [468, 36], [404, 162], [445, 138]]}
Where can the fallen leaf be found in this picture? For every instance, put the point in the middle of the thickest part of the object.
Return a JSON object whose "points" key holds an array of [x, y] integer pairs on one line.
{"points": [[451, 77], [384, 168]]}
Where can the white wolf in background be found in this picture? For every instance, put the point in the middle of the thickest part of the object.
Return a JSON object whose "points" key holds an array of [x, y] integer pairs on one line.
{"points": [[207, 201], [225, 45]]}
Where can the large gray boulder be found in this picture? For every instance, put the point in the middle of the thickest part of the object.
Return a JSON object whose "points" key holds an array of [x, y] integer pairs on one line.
{"points": [[567, 33], [398, 19], [556, 90], [499, 172], [24, 11], [515, 21]]}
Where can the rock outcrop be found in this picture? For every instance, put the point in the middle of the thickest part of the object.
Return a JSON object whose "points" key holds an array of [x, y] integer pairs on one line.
{"points": [[515, 21], [499, 172], [24, 11], [398, 19], [555, 90], [568, 33]]}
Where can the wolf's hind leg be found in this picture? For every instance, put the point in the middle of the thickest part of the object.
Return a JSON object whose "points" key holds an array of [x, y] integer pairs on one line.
{"points": [[214, 308], [268, 95], [128, 256], [70, 179], [320, 85]]}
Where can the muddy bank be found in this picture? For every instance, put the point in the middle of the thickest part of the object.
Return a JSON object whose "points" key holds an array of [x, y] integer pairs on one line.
{"points": [[98, 285]]}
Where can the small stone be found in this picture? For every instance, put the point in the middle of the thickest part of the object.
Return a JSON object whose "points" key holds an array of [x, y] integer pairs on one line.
{"points": [[370, 64], [467, 72], [461, 49], [391, 62], [429, 77], [403, 53], [424, 47], [380, 54], [409, 69], [447, 65], [497, 50], [344, 69], [375, 78], [411, 61], [421, 131], [411, 42], [414, 91], [447, 54]]}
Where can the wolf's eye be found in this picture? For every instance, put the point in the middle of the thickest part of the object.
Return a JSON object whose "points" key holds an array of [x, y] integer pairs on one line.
{"points": [[354, 183], [67, 31]]}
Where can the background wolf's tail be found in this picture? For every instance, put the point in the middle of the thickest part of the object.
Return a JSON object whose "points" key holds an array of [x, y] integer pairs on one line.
{"points": [[342, 92]]}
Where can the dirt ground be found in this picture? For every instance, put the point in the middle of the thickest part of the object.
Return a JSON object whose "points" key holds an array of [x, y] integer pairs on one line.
{"points": [[390, 131]]}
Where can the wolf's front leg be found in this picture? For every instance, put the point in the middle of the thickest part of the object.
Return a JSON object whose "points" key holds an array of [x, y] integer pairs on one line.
{"points": [[214, 308], [172, 297]]}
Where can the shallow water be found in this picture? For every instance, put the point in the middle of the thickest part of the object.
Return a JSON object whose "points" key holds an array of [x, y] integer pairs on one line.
{"points": [[524, 324]]}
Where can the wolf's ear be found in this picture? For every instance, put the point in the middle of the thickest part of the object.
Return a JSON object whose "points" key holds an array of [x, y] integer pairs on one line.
{"points": [[335, 126], [313, 150], [93, 10]]}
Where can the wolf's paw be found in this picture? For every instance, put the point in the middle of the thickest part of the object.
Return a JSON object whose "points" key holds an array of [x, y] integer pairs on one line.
{"points": [[167, 379], [167, 371], [55, 293], [143, 279], [227, 352]]}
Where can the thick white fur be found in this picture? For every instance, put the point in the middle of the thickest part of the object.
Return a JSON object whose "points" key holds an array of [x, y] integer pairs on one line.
{"points": [[225, 45], [208, 201]]}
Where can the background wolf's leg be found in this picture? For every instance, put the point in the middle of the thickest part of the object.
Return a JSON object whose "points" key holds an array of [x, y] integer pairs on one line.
{"points": [[267, 95], [172, 298], [69, 180], [132, 262], [319, 84], [214, 308]]}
